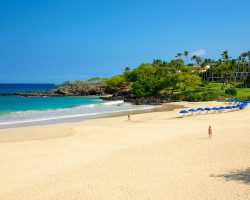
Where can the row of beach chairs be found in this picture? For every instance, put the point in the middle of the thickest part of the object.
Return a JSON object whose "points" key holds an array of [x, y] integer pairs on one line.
{"points": [[238, 105]]}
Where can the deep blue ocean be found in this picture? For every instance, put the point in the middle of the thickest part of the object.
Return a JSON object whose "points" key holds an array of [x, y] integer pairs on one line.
{"points": [[12, 88], [17, 109]]}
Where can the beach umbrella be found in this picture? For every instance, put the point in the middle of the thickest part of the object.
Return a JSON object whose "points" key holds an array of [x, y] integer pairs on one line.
{"points": [[228, 107], [238, 106], [184, 112], [234, 107], [245, 102], [243, 105], [215, 109], [200, 109], [221, 108], [207, 109], [192, 110]]}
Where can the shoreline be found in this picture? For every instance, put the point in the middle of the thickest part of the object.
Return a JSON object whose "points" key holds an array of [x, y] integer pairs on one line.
{"points": [[71, 119]]}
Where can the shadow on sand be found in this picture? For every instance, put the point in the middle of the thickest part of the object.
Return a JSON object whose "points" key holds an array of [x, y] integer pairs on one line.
{"points": [[236, 175]]}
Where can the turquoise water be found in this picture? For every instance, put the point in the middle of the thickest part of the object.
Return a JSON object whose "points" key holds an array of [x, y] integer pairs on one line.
{"points": [[17, 103], [18, 110]]}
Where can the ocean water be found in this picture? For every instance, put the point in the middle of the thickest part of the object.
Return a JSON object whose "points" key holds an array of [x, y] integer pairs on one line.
{"points": [[18, 110], [12, 88]]}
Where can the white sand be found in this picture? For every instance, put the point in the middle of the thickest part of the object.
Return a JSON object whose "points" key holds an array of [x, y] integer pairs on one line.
{"points": [[154, 156]]}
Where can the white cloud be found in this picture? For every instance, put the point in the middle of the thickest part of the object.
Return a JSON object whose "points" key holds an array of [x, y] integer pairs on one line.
{"points": [[199, 52]]}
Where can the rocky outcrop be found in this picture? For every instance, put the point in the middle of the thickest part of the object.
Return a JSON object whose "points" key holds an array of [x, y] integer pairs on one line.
{"points": [[74, 90], [129, 97], [98, 90]]}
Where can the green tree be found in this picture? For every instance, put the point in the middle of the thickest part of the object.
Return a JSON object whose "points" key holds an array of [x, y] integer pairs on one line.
{"points": [[146, 85], [114, 83], [197, 59], [186, 54], [178, 55], [188, 81], [177, 64], [225, 55], [157, 63], [145, 80], [226, 68]]}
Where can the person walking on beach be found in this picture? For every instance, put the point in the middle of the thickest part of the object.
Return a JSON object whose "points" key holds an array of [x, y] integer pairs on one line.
{"points": [[209, 131], [128, 117]]}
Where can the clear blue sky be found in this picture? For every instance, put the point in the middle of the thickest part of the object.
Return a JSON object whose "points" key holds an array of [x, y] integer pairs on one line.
{"points": [[44, 41]]}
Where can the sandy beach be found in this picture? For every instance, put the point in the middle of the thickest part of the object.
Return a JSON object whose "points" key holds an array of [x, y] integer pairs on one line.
{"points": [[155, 156]]}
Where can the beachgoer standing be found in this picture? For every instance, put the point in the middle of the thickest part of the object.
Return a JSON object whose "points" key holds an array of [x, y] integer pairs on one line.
{"points": [[209, 131], [128, 117]]}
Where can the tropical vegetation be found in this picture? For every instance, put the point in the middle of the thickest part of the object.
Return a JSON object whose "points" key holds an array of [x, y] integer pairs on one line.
{"points": [[182, 78]]}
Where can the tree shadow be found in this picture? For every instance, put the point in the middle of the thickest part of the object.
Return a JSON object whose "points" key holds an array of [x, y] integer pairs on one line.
{"points": [[236, 175]]}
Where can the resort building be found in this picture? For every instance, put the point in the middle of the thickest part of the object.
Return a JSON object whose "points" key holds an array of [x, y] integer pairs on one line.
{"points": [[217, 77]]}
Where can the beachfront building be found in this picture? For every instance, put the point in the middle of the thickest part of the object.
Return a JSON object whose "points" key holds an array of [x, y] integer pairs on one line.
{"points": [[210, 76]]}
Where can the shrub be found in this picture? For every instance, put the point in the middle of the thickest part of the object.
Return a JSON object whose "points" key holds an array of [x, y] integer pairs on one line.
{"points": [[191, 96], [210, 96], [200, 96], [231, 91]]}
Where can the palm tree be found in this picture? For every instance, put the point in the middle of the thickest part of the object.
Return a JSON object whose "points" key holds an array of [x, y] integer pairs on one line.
{"points": [[193, 57], [186, 53], [197, 59], [232, 68], [178, 55], [225, 55]]}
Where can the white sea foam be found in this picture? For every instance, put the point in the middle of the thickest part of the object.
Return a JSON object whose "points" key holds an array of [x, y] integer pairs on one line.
{"points": [[85, 111], [114, 102]]}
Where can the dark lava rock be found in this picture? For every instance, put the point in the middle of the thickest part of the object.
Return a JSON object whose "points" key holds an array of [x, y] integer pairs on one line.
{"points": [[128, 97]]}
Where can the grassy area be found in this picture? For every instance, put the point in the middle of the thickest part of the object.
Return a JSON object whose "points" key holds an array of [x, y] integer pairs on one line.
{"points": [[215, 86], [242, 93]]}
